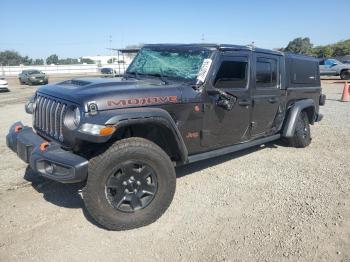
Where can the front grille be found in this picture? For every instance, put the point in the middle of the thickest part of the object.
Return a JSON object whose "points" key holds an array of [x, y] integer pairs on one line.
{"points": [[48, 116]]}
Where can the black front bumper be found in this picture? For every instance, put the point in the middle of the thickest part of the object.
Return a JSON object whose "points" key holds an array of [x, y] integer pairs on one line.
{"points": [[52, 161]]}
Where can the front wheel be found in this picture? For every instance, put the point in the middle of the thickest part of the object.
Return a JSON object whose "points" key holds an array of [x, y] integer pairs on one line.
{"points": [[345, 75], [302, 134], [129, 185]]}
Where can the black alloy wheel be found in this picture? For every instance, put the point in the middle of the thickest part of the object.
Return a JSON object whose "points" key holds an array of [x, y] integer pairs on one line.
{"points": [[131, 187]]}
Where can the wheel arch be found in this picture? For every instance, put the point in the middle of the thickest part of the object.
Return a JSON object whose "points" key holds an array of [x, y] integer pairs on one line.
{"points": [[344, 70], [307, 105], [154, 124]]}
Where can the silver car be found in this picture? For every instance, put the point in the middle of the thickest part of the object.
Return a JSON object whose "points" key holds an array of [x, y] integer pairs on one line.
{"points": [[333, 67]]}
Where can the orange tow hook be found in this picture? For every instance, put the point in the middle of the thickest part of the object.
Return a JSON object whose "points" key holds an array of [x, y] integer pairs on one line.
{"points": [[18, 128], [43, 146]]}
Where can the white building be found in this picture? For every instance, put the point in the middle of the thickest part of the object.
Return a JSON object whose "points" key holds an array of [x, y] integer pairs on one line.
{"points": [[100, 59]]}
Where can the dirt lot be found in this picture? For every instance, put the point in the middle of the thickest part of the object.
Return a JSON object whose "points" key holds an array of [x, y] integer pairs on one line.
{"points": [[269, 203]]}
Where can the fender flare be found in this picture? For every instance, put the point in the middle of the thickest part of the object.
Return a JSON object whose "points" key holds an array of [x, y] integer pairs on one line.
{"points": [[289, 127], [130, 116]]}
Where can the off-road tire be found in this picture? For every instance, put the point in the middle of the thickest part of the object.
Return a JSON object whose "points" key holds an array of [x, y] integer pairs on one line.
{"points": [[302, 134], [104, 165], [345, 75]]}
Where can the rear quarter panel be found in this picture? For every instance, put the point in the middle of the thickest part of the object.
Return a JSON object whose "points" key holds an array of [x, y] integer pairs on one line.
{"points": [[302, 79]]}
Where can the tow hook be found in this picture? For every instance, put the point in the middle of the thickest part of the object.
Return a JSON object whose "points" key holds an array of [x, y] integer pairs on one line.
{"points": [[18, 128]]}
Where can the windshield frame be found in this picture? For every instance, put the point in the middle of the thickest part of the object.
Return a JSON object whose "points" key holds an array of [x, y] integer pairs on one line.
{"points": [[169, 48], [34, 72]]}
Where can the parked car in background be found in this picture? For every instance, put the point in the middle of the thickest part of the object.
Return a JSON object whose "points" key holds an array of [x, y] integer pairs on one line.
{"points": [[333, 67], [33, 76], [108, 72], [3, 84]]}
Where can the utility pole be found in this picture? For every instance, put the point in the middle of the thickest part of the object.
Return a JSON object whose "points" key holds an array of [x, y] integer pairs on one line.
{"points": [[202, 39], [110, 47]]}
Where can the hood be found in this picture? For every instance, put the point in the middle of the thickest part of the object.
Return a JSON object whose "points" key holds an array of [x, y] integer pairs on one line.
{"points": [[114, 93], [3, 82]]}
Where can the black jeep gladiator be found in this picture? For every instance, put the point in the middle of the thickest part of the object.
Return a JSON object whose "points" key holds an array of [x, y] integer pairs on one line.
{"points": [[176, 104]]}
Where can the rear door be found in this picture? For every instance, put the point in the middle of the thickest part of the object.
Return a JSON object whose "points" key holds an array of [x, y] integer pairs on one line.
{"points": [[324, 70], [330, 67], [266, 93]]}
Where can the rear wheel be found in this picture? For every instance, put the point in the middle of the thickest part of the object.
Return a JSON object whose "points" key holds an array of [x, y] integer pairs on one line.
{"points": [[129, 185], [302, 134], [345, 75]]}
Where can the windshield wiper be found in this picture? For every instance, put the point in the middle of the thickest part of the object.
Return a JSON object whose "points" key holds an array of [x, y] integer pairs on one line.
{"points": [[162, 78], [128, 74]]}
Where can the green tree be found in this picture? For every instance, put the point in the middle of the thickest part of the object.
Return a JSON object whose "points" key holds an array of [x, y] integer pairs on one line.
{"points": [[87, 61], [342, 48], [323, 51], [111, 60], [300, 46], [68, 61], [52, 59], [38, 61], [11, 58], [26, 61]]}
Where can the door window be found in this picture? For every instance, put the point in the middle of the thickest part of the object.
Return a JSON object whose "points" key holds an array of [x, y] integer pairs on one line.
{"points": [[232, 73], [266, 72]]}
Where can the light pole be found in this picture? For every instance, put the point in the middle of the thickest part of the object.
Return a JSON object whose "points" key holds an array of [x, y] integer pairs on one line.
{"points": [[110, 48]]}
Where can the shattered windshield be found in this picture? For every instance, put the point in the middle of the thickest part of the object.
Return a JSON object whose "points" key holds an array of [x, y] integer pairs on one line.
{"points": [[172, 63]]}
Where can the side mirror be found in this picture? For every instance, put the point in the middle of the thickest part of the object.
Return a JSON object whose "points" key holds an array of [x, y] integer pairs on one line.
{"points": [[224, 100], [213, 92]]}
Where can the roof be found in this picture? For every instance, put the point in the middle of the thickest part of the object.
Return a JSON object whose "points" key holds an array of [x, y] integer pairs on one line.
{"points": [[126, 50], [224, 47]]}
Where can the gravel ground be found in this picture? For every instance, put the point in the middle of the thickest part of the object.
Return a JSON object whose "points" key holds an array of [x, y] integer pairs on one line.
{"points": [[269, 203]]}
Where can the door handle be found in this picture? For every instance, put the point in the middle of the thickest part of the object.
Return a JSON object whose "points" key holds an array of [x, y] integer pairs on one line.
{"points": [[245, 102], [273, 100]]}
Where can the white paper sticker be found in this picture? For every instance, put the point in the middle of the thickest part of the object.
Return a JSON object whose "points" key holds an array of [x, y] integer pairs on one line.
{"points": [[204, 70]]}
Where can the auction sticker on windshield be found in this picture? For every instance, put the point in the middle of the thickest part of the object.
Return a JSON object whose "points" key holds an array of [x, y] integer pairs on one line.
{"points": [[204, 69]]}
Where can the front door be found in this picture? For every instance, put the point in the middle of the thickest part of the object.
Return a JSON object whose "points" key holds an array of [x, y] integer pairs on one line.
{"points": [[224, 127], [266, 93]]}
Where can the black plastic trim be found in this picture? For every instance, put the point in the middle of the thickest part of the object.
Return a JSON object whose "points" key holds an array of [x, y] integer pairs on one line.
{"points": [[289, 128], [67, 167], [231, 149], [159, 116]]}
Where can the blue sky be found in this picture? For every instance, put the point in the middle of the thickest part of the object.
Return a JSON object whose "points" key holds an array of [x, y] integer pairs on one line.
{"points": [[73, 28]]}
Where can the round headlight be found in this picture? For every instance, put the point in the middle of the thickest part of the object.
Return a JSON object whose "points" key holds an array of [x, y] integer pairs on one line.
{"points": [[77, 116], [72, 118], [30, 105]]}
